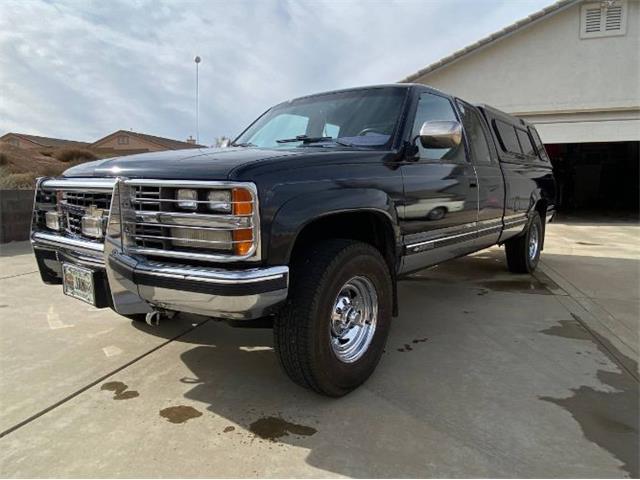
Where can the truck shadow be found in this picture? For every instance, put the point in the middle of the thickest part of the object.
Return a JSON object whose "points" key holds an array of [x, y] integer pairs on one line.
{"points": [[469, 381]]}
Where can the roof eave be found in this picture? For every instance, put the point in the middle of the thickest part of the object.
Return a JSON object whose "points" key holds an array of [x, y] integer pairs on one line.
{"points": [[502, 34]]}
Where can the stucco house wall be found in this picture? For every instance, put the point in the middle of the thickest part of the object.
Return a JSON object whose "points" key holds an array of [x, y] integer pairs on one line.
{"points": [[575, 89]]}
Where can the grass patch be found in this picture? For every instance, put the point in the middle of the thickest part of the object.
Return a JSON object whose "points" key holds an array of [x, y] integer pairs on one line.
{"points": [[75, 154]]}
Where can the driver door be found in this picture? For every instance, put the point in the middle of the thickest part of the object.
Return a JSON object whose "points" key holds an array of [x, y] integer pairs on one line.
{"points": [[440, 204]]}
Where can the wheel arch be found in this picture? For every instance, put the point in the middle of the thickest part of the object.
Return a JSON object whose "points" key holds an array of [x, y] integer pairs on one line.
{"points": [[366, 215]]}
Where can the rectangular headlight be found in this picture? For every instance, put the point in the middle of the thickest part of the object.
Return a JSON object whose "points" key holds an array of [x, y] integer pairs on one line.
{"points": [[219, 201], [193, 237], [187, 198], [52, 220]]}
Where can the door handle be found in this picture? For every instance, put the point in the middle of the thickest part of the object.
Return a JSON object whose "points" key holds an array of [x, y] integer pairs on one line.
{"points": [[473, 184]]}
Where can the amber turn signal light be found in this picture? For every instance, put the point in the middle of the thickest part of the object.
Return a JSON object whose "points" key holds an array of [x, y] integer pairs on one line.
{"points": [[242, 201], [242, 241]]}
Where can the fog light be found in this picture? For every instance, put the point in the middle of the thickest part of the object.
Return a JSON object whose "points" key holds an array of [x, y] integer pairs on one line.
{"points": [[52, 220], [219, 201], [187, 198], [194, 237], [92, 226]]}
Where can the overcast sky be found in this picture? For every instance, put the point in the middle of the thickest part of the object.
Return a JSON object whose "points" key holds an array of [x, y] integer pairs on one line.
{"points": [[81, 69]]}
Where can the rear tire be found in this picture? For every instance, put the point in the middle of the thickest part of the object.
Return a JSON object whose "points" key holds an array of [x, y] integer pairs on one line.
{"points": [[332, 330], [523, 252]]}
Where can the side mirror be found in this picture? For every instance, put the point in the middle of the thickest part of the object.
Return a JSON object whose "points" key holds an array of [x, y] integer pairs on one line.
{"points": [[225, 143], [440, 134]]}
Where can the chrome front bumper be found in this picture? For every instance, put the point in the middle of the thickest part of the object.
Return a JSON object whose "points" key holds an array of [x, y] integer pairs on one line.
{"points": [[136, 285]]}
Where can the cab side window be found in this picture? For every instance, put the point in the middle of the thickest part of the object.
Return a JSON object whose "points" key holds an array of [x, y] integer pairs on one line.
{"points": [[433, 107], [476, 135]]}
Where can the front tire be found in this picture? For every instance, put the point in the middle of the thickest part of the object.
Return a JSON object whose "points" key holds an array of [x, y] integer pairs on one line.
{"points": [[331, 333], [523, 252]]}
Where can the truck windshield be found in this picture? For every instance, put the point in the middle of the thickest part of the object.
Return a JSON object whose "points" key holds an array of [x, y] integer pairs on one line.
{"points": [[358, 118]]}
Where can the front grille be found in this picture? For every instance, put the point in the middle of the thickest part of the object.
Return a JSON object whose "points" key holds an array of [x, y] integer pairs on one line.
{"points": [[146, 198], [224, 227], [73, 220]]}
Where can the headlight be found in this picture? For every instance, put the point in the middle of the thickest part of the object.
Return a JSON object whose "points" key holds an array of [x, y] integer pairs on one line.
{"points": [[187, 198], [219, 201]]}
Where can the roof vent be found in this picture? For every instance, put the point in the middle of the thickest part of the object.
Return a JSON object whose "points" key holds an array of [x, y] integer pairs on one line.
{"points": [[603, 19]]}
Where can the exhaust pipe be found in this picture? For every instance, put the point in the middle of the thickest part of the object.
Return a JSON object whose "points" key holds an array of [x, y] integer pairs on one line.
{"points": [[153, 318]]}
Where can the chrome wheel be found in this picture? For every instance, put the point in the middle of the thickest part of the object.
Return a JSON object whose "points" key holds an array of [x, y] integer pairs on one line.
{"points": [[353, 319], [534, 240]]}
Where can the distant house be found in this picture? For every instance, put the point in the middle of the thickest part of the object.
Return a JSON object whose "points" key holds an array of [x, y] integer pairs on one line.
{"points": [[124, 142], [34, 142]]}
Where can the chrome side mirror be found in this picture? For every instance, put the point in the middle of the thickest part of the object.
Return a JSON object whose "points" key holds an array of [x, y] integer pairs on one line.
{"points": [[440, 134]]}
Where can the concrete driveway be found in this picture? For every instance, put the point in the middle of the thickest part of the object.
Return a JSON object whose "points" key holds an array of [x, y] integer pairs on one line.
{"points": [[486, 374]]}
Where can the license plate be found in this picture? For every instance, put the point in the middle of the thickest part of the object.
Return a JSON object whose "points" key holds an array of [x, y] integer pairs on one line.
{"points": [[78, 283]]}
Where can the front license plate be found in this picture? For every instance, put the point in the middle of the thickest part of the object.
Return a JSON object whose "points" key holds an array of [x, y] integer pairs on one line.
{"points": [[78, 283]]}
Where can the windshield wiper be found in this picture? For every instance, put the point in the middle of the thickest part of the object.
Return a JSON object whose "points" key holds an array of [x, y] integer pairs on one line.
{"points": [[246, 144], [305, 139]]}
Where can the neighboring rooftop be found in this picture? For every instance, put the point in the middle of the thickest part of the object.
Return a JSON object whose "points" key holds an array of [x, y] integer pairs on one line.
{"points": [[166, 143], [45, 141], [499, 35]]}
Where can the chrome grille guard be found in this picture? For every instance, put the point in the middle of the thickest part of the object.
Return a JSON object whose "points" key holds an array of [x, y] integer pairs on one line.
{"points": [[137, 277]]}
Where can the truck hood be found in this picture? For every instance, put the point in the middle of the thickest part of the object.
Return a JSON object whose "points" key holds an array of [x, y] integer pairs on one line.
{"points": [[202, 163]]}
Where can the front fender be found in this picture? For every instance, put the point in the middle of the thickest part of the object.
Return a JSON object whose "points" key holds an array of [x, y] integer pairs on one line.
{"points": [[298, 212]]}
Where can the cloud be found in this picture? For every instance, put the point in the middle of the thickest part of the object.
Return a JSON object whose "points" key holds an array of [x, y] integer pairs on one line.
{"points": [[80, 70]]}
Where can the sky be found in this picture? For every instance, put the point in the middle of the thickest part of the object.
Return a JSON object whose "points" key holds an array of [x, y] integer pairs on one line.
{"points": [[82, 69]]}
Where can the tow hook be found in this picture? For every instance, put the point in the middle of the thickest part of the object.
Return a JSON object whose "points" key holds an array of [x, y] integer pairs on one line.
{"points": [[153, 318]]}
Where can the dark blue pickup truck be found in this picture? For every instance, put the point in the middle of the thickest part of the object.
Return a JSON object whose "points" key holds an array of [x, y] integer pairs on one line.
{"points": [[307, 220]]}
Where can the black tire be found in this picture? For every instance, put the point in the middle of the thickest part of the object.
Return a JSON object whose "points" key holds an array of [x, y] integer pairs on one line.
{"points": [[520, 258], [303, 330]]}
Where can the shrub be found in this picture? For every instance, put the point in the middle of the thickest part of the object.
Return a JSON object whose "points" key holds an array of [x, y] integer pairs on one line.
{"points": [[12, 181], [75, 154]]}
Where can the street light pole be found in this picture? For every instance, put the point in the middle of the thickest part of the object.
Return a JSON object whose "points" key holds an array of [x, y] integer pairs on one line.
{"points": [[197, 60]]}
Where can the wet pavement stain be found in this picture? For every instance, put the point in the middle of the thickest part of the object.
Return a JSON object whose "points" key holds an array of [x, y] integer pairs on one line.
{"points": [[272, 428], [119, 390], [408, 348], [530, 285], [180, 413], [229, 429], [609, 419]]}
